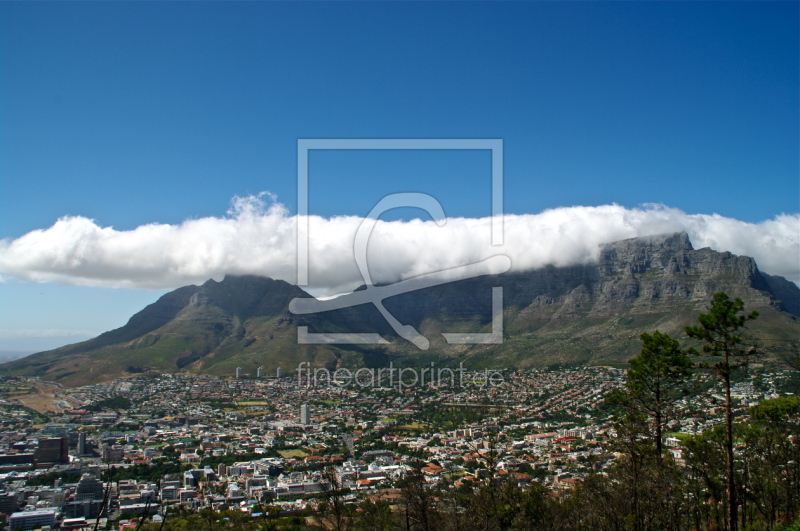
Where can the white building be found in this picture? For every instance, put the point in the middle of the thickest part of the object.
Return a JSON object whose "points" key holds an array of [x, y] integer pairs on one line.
{"points": [[32, 519]]}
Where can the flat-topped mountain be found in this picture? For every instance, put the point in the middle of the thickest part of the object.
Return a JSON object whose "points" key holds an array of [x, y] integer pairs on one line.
{"points": [[589, 314]]}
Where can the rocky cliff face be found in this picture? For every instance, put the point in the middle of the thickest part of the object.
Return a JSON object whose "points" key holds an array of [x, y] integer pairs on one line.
{"points": [[655, 273], [581, 314], [596, 313]]}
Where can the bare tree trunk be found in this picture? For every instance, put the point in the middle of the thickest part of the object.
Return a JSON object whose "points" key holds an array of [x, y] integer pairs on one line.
{"points": [[732, 506], [658, 435], [106, 496]]}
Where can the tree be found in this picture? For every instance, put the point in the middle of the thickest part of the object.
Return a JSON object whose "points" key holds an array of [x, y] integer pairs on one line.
{"points": [[719, 330], [772, 459], [631, 429], [375, 516], [419, 508], [655, 381], [333, 511], [657, 378], [704, 456]]}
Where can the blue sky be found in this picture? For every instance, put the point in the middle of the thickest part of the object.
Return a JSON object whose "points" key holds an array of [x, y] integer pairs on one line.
{"points": [[138, 113]]}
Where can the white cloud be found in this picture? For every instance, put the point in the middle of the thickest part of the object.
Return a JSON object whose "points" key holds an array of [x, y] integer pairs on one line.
{"points": [[258, 237]]}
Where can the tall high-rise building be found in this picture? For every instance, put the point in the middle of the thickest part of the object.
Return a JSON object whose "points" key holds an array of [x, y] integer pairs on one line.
{"points": [[305, 414], [82, 443], [52, 451], [279, 373], [260, 372], [238, 372]]}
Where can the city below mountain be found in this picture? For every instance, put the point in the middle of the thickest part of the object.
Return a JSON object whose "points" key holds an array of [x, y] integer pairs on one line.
{"points": [[555, 316]]}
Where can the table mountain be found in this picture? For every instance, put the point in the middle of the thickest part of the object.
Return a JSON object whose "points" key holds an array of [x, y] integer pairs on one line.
{"points": [[583, 314]]}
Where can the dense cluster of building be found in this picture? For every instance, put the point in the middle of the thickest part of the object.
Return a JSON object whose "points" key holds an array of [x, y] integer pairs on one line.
{"points": [[249, 443]]}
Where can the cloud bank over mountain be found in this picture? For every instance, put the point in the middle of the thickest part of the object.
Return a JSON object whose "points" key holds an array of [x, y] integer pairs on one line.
{"points": [[260, 237]]}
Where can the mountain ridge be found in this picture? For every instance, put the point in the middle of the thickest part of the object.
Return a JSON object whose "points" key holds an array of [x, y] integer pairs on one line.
{"points": [[590, 313]]}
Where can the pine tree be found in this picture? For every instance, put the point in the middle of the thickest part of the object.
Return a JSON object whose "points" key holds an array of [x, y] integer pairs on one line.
{"points": [[719, 330], [657, 379]]}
